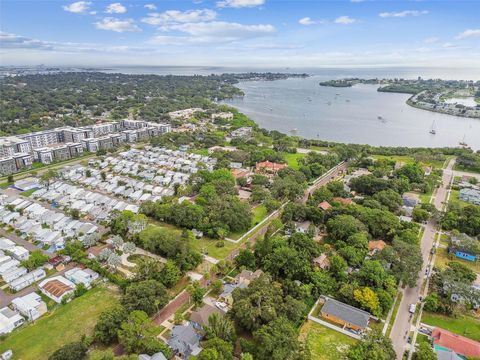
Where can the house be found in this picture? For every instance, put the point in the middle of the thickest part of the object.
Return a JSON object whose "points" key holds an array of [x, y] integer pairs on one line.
{"points": [[457, 343], [247, 276], [226, 295], [81, 276], [156, 356], [410, 199], [185, 341], [31, 306], [427, 170], [470, 195], [94, 251], [322, 262], [324, 205], [239, 173], [268, 167], [345, 315], [200, 317], [375, 246], [27, 279], [19, 253], [302, 226], [9, 320], [6, 244], [57, 288], [463, 254]]}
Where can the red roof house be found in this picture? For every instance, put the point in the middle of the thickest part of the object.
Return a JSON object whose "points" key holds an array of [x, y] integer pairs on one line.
{"points": [[324, 205], [459, 344], [269, 167]]}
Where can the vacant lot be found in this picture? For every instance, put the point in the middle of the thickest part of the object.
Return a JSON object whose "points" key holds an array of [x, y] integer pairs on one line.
{"points": [[66, 324], [324, 343], [292, 160], [463, 325]]}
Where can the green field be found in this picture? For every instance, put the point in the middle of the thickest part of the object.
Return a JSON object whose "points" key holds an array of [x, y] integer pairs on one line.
{"points": [[292, 160], [410, 160], [259, 213], [66, 324], [324, 343], [466, 326]]}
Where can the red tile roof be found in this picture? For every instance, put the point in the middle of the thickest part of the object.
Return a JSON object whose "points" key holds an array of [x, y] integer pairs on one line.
{"points": [[461, 345], [324, 205], [270, 166]]}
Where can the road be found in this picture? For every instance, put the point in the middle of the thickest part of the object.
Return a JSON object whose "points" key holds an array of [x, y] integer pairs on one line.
{"points": [[325, 179], [403, 322]]}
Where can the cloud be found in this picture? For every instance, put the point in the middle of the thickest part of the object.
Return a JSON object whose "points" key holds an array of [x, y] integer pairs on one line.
{"points": [[176, 16], [117, 25], [345, 20], [150, 6], [116, 8], [79, 7], [306, 21], [404, 13], [431, 40], [468, 34], [240, 3], [215, 32]]}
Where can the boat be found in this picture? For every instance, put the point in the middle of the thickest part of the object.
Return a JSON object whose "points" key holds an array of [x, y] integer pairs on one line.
{"points": [[463, 143], [347, 100], [432, 130], [329, 103], [379, 117], [337, 94]]}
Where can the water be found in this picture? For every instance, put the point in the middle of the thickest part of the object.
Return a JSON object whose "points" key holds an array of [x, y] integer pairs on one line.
{"points": [[317, 112]]}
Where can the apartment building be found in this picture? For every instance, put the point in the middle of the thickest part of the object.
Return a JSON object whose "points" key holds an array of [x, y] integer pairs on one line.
{"points": [[42, 138]]}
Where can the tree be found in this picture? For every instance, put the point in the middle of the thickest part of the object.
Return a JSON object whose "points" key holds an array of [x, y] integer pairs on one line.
{"points": [[246, 258], [129, 248], [220, 327], [367, 299], [104, 254], [91, 239], [389, 198], [108, 323], [216, 349], [341, 227], [136, 332], [277, 340], [431, 302], [114, 260], [48, 176], [196, 293], [169, 274], [420, 215], [36, 259], [117, 241], [148, 296], [70, 351], [80, 289], [217, 287], [406, 261], [374, 346], [424, 352]]}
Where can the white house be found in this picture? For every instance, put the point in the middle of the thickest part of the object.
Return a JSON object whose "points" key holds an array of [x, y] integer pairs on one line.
{"points": [[9, 320], [56, 288], [31, 306], [6, 244], [27, 279], [19, 253], [81, 276]]}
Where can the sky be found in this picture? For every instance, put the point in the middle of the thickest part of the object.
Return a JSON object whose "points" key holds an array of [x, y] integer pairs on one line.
{"points": [[248, 33]]}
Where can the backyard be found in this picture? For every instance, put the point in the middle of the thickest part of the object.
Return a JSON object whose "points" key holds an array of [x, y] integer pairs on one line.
{"points": [[463, 325], [66, 324], [324, 343], [442, 259]]}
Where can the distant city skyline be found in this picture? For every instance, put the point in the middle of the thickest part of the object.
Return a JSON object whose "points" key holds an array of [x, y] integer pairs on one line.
{"points": [[264, 33]]}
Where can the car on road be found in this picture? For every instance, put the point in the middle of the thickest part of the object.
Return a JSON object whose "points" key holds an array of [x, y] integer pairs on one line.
{"points": [[412, 308], [221, 305]]}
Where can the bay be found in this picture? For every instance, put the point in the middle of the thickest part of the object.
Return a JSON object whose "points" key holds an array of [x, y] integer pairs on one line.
{"points": [[350, 115]]}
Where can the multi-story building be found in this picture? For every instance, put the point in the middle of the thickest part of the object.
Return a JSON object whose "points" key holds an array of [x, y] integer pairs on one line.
{"points": [[7, 165], [70, 134], [130, 124], [42, 138], [43, 155], [12, 144], [61, 152], [75, 148], [23, 160], [104, 128]]}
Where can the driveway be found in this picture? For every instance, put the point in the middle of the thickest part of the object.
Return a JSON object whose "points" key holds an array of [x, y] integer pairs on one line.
{"points": [[403, 322]]}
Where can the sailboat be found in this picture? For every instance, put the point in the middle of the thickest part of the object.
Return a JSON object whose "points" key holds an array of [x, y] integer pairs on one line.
{"points": [[432, 130], [463, 143]]}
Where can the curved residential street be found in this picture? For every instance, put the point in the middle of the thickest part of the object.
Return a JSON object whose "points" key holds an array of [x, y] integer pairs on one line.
{"points": [[403, 322]]}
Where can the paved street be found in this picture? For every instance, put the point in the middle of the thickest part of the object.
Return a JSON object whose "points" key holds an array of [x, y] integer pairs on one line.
{"points": [[403, 321]]}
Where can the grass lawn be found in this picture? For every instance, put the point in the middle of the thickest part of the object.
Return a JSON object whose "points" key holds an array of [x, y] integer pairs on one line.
{"points": [[410, 160], [203, 152], [292, 160], [466, 326], [28, 192], [324, 343], [442, 259], [455, 198], [209, 245], [66, 324]]}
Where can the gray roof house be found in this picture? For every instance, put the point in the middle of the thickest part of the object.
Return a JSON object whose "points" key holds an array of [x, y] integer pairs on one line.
{"points": [[185, 341], [345, 315]]}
